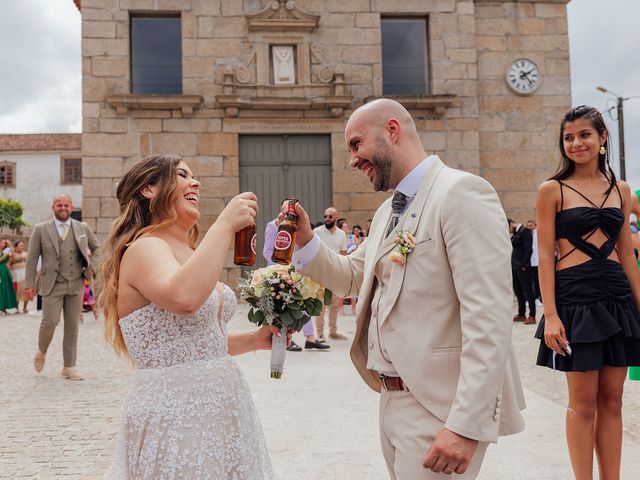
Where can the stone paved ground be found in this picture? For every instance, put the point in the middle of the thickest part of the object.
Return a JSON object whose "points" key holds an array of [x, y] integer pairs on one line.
{"points": [[320, 420]]}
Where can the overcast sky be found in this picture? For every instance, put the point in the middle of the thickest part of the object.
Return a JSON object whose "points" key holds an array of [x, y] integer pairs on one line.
{"points": [[41, 76]]}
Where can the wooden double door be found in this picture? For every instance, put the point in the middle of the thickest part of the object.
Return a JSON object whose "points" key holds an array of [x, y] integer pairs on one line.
{"points": [[275, 167]]}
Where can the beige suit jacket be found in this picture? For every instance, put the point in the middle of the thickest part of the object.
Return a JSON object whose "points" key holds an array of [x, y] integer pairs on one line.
{"points": [[44, 242], [446, 316]]}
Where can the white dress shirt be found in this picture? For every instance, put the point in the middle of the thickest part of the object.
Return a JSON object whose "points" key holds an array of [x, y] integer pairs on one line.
{"points": [[59, 226]]}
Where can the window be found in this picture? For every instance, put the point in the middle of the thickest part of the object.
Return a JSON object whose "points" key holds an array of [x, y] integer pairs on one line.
{"points": [[404, 56], [72, 171], [156, 55], [7, 174]]}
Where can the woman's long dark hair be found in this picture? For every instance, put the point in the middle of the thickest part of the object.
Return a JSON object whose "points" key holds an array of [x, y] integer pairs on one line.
{"points": [[567, 166]]}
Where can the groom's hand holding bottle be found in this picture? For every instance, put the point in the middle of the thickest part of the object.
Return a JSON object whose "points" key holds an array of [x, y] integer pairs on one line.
{"points": [[304, 232]]}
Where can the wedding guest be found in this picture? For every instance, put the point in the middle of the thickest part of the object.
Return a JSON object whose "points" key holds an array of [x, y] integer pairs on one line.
{"points": [[311, 342], [591, 324], [336, 241], [63, 244], [433, 326], [7, 293], [532, 227], [18, 270], [521, 242], [367, 227], [189, 412]]}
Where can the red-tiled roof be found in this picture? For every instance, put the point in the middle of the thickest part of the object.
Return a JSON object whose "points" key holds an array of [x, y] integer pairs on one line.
{"points": [[40, 142]]}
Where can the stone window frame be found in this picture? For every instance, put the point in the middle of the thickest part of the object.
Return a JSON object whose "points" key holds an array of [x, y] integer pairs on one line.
{"points": [[3, 174], [427, 22], [63, 170]]}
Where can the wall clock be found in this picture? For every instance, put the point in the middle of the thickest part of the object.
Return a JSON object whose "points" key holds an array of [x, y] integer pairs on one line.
{"points": [[523, 76]]}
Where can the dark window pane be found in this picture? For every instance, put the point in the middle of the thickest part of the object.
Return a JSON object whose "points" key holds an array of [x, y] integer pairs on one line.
{"points": [[72, 170], [156, 55], [404, 56], [6, 175]]}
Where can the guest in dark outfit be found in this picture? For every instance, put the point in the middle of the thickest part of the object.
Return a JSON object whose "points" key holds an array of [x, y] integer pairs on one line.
{"points": [[591, 325], [522, 243]]}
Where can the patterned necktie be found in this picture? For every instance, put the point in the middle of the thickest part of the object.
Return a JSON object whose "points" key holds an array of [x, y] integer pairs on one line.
{"points": [[65, 230], [397, 205]]}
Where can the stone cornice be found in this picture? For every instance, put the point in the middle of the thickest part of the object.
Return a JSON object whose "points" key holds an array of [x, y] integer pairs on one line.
{"points": [[282, 16], [521, 1], [437, 103], [184, 103]]}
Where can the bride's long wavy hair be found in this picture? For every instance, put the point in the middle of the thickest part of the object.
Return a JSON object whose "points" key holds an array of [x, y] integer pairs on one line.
{"points": [[138, 215]]}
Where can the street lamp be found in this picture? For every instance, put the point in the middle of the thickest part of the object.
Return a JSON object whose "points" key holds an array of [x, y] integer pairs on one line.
{"points": [[620, 100]]}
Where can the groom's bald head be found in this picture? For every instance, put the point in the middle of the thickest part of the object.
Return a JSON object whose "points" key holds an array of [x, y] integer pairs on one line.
{"points": [[383, 142]]}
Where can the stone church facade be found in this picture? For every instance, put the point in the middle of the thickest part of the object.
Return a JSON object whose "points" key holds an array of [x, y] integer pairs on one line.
{"points": [[254, 94]]}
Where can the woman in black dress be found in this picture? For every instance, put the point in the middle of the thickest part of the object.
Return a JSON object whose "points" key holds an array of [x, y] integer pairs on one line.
{"points": [[591, 291]]}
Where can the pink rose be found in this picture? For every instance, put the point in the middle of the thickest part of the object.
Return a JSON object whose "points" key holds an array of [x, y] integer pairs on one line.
{"points": [[396, 257]]}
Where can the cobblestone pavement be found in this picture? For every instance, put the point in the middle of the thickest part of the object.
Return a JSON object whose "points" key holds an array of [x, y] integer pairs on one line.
{"points": [[320, 420]]}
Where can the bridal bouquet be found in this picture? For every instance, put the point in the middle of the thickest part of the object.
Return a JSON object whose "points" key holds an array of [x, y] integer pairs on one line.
{"points": [[281, 297]]}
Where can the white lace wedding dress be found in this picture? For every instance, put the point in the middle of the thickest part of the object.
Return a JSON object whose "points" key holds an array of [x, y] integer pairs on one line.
{"points": [[189, 413]]}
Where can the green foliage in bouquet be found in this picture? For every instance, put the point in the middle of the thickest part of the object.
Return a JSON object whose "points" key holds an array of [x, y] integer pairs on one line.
{"points": [[280, 296]]}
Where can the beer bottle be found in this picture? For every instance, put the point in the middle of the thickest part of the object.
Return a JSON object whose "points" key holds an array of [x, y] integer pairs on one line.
{"points": [[286, 236], [244, 248]]}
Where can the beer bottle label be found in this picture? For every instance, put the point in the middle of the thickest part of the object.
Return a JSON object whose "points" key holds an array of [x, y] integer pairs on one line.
{"points": [[283, 240], [254, 242]]}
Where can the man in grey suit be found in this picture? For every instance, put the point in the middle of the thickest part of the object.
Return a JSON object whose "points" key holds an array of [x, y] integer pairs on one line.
{"points": [[65, 246]]}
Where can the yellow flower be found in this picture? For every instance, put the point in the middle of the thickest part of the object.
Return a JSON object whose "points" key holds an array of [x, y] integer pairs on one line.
{"points": [[309, 288]]}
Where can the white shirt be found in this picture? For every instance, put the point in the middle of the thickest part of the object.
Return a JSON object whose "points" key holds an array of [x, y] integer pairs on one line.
{"points": [[409, 185], [59, 225], [336, 241], [534, 253]]}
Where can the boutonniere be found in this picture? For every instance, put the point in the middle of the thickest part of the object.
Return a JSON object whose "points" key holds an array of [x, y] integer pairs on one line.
{"points": [[405, 242]]}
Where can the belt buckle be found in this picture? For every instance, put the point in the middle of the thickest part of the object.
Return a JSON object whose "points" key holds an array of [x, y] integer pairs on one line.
{"points": [[383, 380]]}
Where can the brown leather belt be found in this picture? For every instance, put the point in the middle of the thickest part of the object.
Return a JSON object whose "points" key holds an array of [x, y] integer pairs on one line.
{"points": [[392, 383]]}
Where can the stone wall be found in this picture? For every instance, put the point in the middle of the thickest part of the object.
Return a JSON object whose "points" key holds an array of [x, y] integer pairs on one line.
{"points": [[485, 129]]}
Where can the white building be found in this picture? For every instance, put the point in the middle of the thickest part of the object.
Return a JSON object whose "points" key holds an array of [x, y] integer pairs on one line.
{"points": [[35, 168]]}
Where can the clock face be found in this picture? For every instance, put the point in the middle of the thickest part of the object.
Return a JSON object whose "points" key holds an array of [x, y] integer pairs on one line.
{"points": [[523, 76]]}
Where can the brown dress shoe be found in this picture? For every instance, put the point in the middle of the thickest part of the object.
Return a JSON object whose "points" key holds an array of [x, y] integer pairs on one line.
{"points": [[337, 336], [71, 373], [519, 318], [530, 321], [38, 361]]}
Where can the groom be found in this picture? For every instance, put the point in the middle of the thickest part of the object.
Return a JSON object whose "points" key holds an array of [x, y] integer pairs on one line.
{"points": [[433, 334]]}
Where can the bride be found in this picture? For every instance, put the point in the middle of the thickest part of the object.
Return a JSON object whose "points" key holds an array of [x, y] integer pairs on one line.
{"points": [[189, 413]]}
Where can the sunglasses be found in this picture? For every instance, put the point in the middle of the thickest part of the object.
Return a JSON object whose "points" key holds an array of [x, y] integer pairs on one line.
{"points": [[328, 216]]}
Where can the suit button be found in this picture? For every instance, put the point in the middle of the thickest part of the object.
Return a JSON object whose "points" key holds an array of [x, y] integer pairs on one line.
{"points": [[375, 313], [371, 345], [499, 403], [384, 350], [496, 417]]}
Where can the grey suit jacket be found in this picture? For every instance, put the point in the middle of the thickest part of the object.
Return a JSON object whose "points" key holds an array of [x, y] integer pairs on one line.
{"points": [[44, 243], [446, 316]]}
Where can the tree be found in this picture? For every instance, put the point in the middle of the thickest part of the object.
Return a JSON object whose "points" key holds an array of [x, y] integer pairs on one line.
{"points": [[11, 215]]}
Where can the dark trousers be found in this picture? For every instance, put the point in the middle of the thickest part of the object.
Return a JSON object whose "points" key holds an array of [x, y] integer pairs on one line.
{"points": [[536, 283], [523, 288]]}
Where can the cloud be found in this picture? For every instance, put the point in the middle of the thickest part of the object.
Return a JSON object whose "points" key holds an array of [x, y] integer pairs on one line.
{"points": [[41, 78], [604, 38]]}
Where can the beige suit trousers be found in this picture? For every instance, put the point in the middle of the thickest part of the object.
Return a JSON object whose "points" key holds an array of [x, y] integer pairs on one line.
{"points": [[333, 317], [66, 297], [407, 431]]}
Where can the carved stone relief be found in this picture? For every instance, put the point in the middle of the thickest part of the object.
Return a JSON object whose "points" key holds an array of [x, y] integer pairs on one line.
{"points": [[283, 64]]}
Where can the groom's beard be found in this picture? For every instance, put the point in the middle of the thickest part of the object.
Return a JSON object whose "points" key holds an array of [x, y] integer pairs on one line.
{"points": [[329, 224]]}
